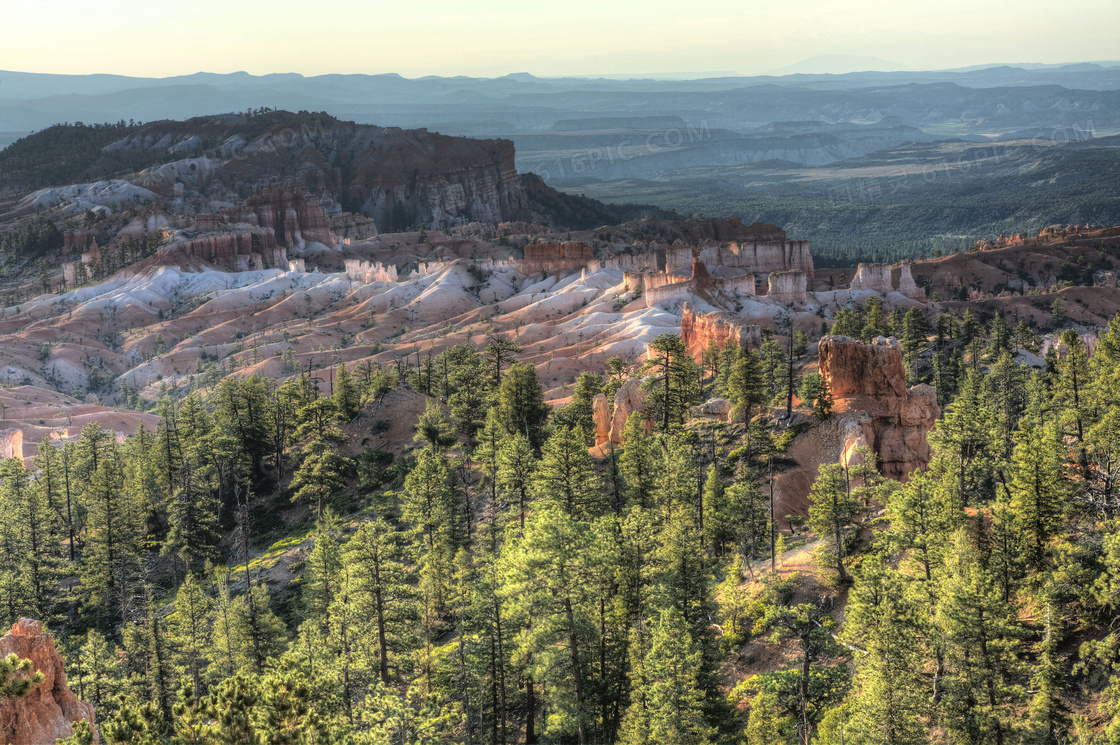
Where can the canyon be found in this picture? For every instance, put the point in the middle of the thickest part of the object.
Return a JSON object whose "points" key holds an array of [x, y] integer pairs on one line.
{"points": [[278, 258]]}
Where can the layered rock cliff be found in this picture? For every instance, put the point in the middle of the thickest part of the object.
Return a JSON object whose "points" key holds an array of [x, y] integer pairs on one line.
{"points": [[48, 711], [699, 330], [294, 172], [868, 383], [555, 257], [289, 212]]}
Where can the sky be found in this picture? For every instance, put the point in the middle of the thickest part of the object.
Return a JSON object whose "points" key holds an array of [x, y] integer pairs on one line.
{"points": [[489, 38]]}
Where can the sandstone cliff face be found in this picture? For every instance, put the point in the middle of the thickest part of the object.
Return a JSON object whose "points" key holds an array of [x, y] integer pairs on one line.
{"points": [[46, 713], [406, 178], [874, 277], [868, 385], [885, 278], [237, 250], [789, 288], [907, 286], [289, 212], [350, 228], [555, 257], [762, 256], [698, 330]]}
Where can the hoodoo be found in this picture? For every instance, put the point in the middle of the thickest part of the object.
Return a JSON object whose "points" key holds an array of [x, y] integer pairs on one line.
{"points": [[870, 379], [48, 712]]}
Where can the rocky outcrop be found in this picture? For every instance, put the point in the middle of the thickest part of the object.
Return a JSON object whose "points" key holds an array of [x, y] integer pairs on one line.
{"points": [[718, 409], [601, 415], [48, 711], [788, 288], [11, 443], [289, 212], [555, 257], [873, 277], [699, 330], [907, 286], [868, 386], [610, 428], [350, 228], [78, 241], [369, 271], [762, 257], [237, 249], [416, 178], [882, 278]]}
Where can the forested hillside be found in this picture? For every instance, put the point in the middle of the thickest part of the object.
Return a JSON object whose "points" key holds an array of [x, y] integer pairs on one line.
{"points": [[254, 572]]}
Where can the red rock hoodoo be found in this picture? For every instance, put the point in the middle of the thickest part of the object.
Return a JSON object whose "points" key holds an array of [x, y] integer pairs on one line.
{"points": [[47, 712], [870, 380], [610, 428], [698, 330]]}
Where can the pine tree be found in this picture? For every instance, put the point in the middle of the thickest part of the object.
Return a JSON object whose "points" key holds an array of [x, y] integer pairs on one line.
{"points": [[320, 477], [1037, 489], [672, 381], [883, 622], [17, 677], [1049, 715], [48, 460], [1075, 390], [222, 655], [545, 587], [500, 351], [433, 429], [685, 584], [670, 709], [716, 512], [915, 332], [748, 518], [637, 462], [470, 388], [566, 476], [1005, 393], [764, 726], [516, 470], [746, 385], [111, 562], [980, 637], [321, 574], [833, 512], [490, 441], [521, 404], [427, 497], [189, 631], [808, 690], [36, 532], [578, 413], [257, 634], [965, 447], [375, 559], [346, 397], [148, 656], [191, 509]]}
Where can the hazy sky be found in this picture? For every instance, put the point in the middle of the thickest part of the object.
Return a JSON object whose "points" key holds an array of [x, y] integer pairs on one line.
{"points": [[544, 37]]}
